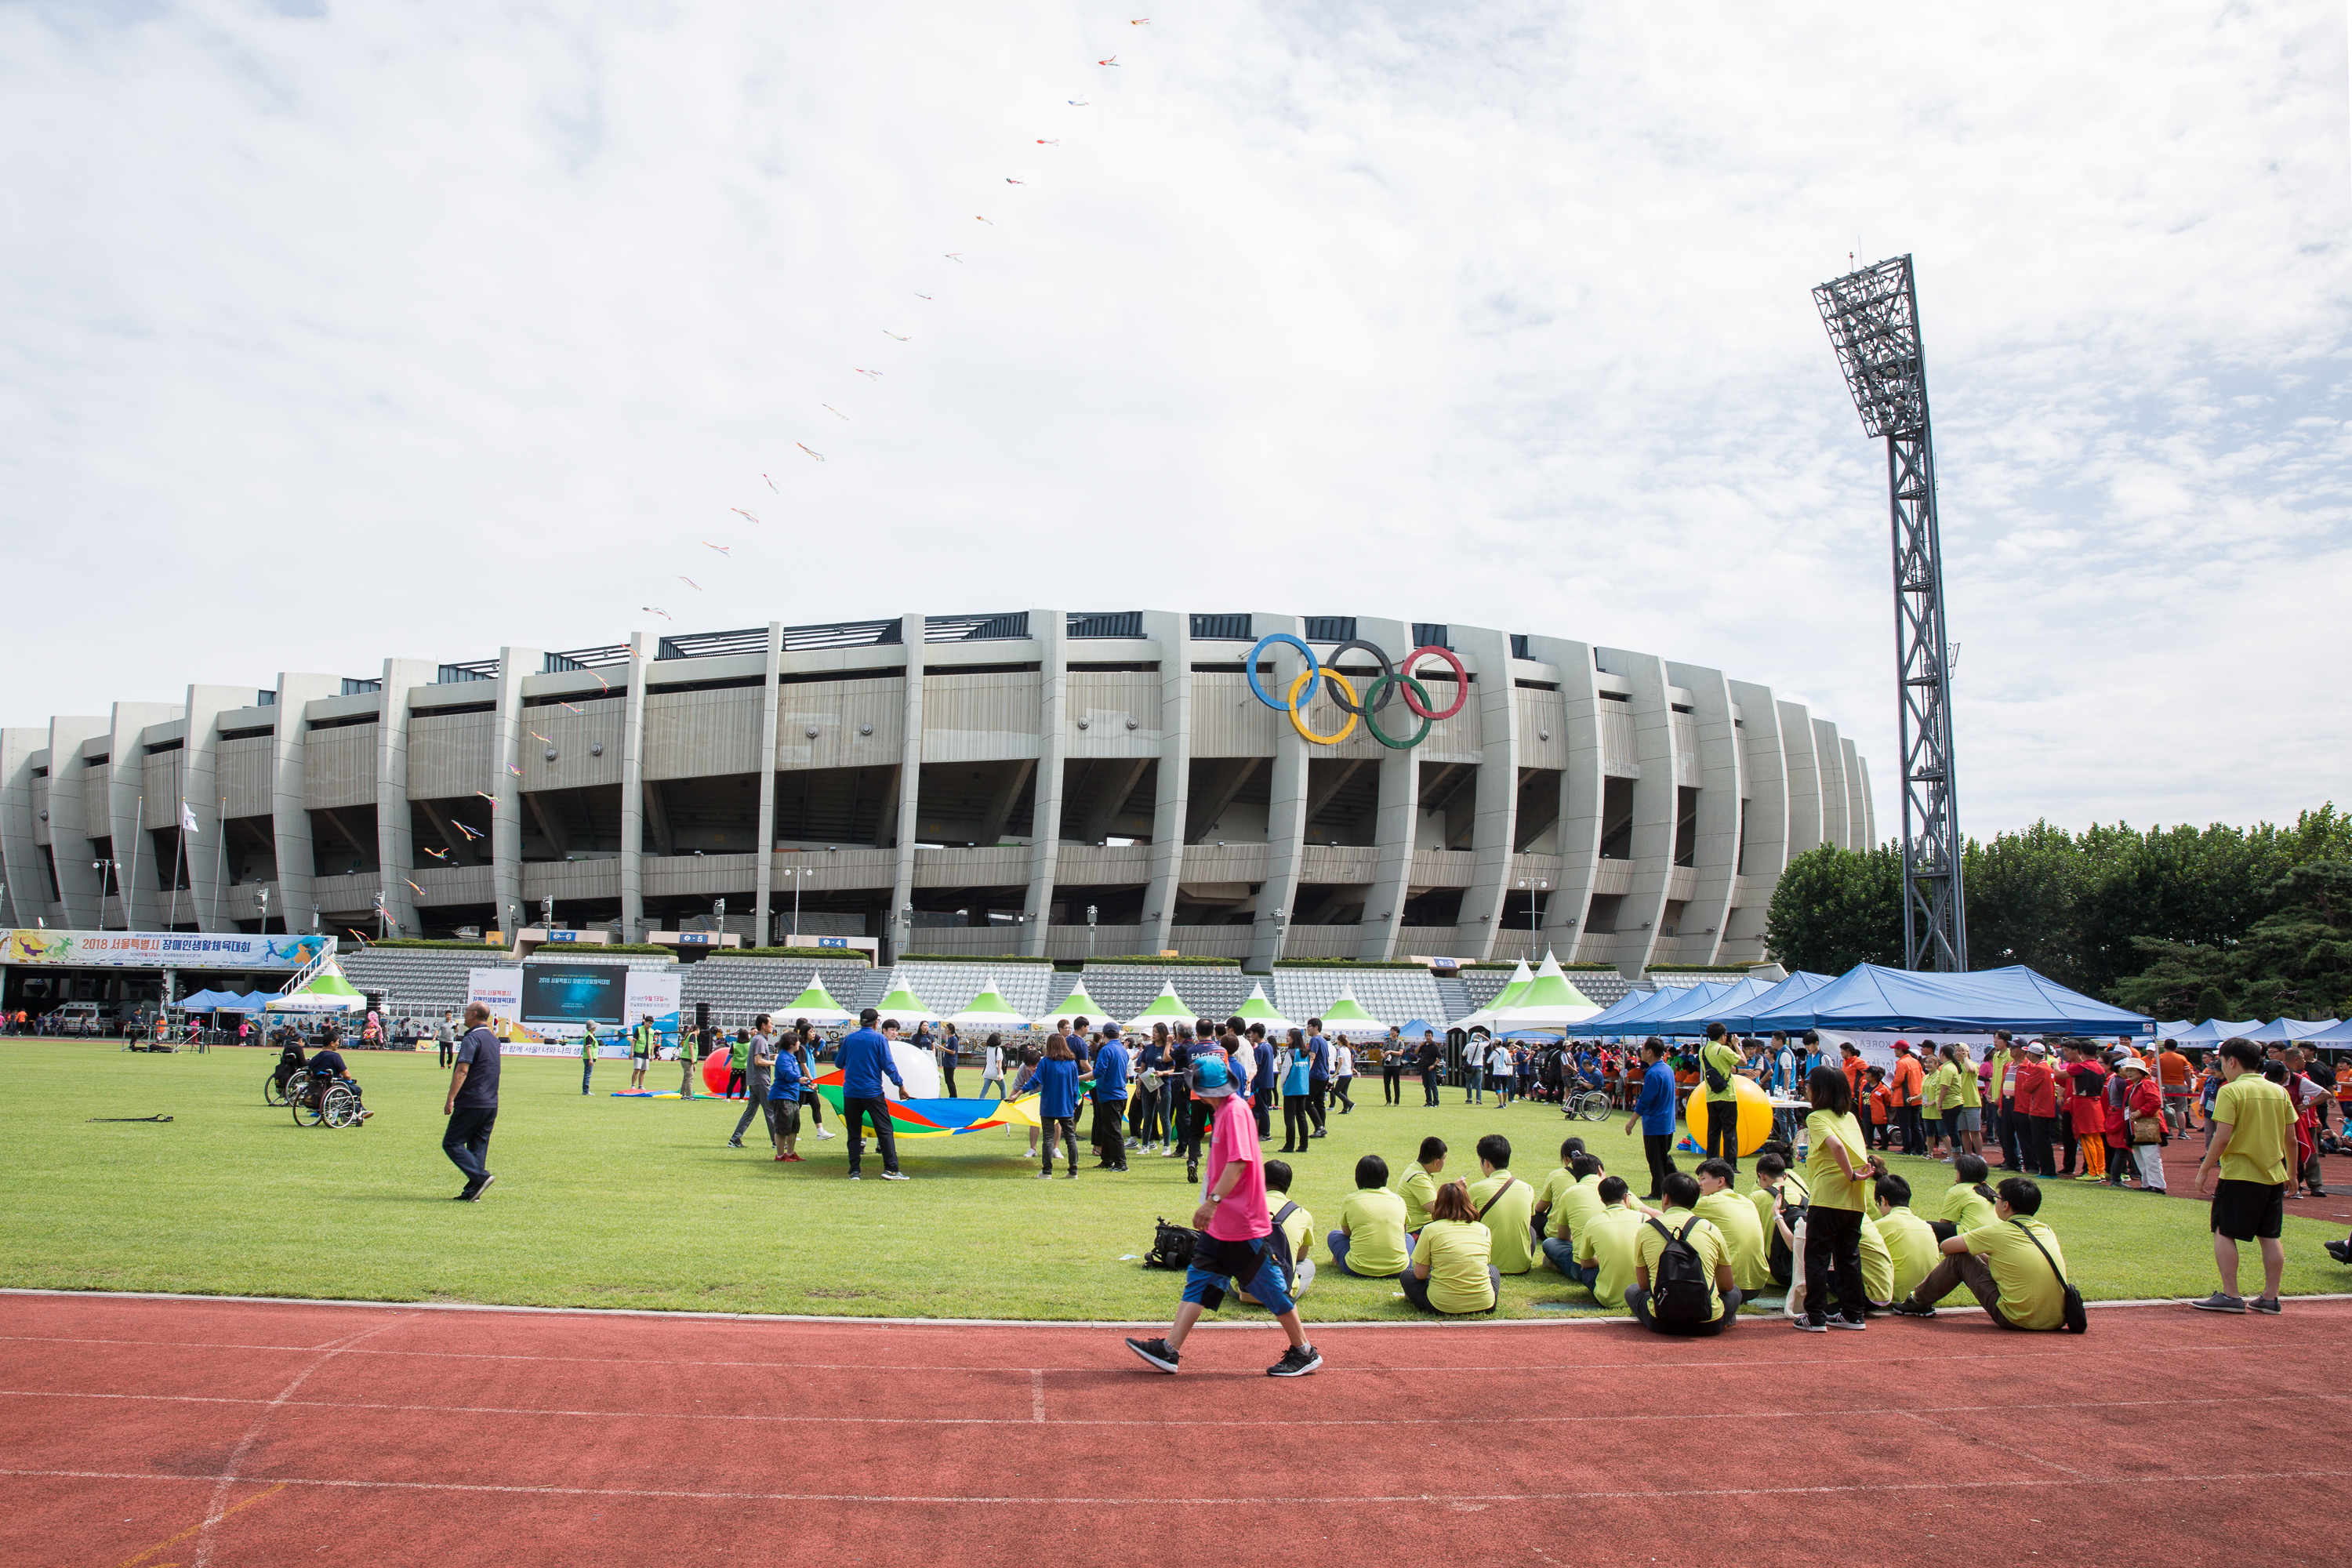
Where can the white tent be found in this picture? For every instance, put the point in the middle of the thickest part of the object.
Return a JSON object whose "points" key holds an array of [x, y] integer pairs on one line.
{"points": [[1548, 1002], [989, 1010]]}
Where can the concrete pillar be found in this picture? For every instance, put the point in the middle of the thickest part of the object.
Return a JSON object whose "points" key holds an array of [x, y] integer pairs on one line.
{"points": [[1721, 788], [1171, 801], [1399, 809], [764, 881], [911, 784], [633, 793], [1765, 842], [1802, 767], [1488, 655], [1830, 755], [1581, 792], [1286, 812], [293, 902], [1857, 797], [1051, 629], [506, 783], [200, 790], [125, 817], [395, 849], [22, 862], [78, 796], [1644, 908]]}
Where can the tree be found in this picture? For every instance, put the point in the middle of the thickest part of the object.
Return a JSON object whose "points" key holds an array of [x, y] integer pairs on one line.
{"points": [[2294, 962], [1836, 907]]}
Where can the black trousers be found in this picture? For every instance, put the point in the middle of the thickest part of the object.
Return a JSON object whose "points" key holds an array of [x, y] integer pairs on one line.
{"points": [[1391, 1085], [1659, 1147], [1833, 1262], [1192, 1120], [1723, 1130], [1429, 1087], [2011, 1127], [1639, 1301], [1297, 1123], [467, 1142], [1914, 1133], [1261, 1107], [1109, 1139], [1319, 1093], [947, 1077], [2038, 1131], [878, 1112]]}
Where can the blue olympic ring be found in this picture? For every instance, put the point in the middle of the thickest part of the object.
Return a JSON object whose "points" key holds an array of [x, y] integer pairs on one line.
{"points": [[1314, 668]]}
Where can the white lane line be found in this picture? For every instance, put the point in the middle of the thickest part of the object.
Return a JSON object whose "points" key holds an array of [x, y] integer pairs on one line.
{"points": [[217, 1510], [1038, 1411], [2075, 1353], [1224, 1501]]}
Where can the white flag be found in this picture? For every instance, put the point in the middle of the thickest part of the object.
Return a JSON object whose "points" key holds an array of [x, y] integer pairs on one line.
{"points": [[188, 817]]}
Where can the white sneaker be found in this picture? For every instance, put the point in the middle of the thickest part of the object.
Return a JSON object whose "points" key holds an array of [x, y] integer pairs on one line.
{"points": [[825, 1132]]}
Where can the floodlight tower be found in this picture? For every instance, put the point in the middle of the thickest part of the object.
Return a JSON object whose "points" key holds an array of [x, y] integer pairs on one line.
{"points": [[1873, 316]]}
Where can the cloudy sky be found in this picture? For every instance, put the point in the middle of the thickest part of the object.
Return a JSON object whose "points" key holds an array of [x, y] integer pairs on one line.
{"points": [[337, 331]]}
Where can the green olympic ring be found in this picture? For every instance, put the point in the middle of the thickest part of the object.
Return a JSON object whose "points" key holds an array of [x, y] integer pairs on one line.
{"points": [[1373, 703]]}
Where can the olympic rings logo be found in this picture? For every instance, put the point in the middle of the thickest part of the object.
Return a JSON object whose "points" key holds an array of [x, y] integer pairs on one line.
{"points": [[1394, 680]]}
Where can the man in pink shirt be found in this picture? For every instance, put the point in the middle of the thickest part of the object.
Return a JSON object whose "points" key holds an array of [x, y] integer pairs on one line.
{"points": [[1231, 1231]]}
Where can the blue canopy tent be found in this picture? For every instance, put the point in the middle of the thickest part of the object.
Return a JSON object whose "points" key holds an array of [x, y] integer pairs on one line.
{"points": [[1868, 999], [1693, 1013], [1413, 1031], [2336, 1039], [2214, 1031], [1779, 999], [254, 1001], [209, 1002], [2284, 1029], [1628, 1014]]}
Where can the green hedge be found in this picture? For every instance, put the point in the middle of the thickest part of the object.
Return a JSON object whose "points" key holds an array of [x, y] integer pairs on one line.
{"points": [[837, 955], [1513, 963], [439, 945], [1348, 964], [1151, 961], [972, 958], [1694, 968]]}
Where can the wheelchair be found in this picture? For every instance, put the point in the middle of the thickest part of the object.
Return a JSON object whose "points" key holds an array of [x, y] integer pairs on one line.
{"points": [[1588, 1105], [274, 1093], [330, 1102]]}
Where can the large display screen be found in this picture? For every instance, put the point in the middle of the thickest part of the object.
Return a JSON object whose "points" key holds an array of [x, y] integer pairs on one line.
{"points": [[573, 992]]}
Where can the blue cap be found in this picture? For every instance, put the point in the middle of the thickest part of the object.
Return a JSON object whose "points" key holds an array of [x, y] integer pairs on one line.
{"points": [[1209, 1080]]}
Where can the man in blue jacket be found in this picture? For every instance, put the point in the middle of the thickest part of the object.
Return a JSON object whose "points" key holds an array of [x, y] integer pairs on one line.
{"points": [[1318, 1071], [864, 1057], [1110, 1099], [1654, 1109], [1261, 1079]]}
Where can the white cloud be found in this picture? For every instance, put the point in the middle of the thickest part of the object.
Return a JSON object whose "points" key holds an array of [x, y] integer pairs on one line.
{"points": [[416, 331]]}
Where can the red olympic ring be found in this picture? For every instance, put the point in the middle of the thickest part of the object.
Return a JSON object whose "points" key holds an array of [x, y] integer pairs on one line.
{"points": [[1413, 703]]}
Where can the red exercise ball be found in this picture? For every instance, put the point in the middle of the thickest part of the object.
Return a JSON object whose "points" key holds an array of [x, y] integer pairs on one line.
{"points": [[715, 1068]]}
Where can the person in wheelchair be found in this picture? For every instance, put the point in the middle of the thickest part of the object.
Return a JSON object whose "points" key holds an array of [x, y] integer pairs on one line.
{"points": [[290, 1057], [327, 1068]]}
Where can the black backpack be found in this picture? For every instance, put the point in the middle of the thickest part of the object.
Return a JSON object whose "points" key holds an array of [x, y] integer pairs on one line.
{"points": [[1171, 1247], [1680, 1291], [2071, 1313], [1279, 1245], [1717, 1080]]}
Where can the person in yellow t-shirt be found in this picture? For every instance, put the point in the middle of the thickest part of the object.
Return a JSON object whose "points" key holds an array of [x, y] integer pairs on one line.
{"points": [[1418, 1186], [1967, 1116], [1683, 1223], [2252, 1149], [2003, 1265], [1839, 1167], [1742, 1229], [1610, 1247], [1777, 1187], [1451, 1270], [1547, 1191], [1967, 1203], [1371, 1240], [1576, 1206], [1501, 1203], [1719, 1062], [1909, 1242], [1297, 1228]]}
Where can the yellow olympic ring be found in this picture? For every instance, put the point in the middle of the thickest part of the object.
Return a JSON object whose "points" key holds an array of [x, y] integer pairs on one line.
{"points": [[1337, 679]]}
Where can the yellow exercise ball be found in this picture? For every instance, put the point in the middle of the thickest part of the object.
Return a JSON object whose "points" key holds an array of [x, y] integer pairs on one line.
{"points": [[1755, 1115]]}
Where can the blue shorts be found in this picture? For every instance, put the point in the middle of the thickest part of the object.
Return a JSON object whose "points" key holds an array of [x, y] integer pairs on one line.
{"points": [[1217, 1266]]}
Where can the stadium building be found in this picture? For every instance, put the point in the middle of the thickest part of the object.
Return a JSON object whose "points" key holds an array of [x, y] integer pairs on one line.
{"points": [[1044, 783]]}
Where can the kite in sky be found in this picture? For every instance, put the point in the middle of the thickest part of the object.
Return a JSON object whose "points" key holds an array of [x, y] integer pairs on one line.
{"points": [[888, 333], [1112, 61], [471, 834], [874, 375], [494, 806], [812, 451], [540, 738], [419, 890], [658, 610], [989, 221], [772, 484], [922, 296], [956, 257], [1057, 142], [1011, 180], [726, 550], [739, 512], [439, 854], [1080, 103], [829, 408], [691, 584]]}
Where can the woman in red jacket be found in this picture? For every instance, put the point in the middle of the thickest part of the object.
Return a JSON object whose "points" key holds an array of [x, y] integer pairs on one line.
{"points": [[2143, 1103]]}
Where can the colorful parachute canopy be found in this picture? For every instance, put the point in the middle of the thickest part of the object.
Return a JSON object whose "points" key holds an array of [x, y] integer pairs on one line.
{"points": [[941, 1118]]}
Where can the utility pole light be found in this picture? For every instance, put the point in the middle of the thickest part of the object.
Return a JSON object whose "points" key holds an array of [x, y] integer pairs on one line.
{"points": [[1090, 932], [1873, 317]]}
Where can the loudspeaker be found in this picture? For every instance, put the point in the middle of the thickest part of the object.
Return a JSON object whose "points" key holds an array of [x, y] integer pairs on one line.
{"points": [[375, 1001], [701, 1016]]}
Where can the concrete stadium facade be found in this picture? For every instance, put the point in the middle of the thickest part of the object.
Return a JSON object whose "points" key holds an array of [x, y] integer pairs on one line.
{"points": [[954, 784]]}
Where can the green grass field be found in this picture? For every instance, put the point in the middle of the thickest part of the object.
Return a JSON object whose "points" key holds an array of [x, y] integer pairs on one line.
{"points": [[637, 1204]]}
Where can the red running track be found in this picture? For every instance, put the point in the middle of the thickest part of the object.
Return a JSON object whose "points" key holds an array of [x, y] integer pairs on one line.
{"points": [[148, 1434]]}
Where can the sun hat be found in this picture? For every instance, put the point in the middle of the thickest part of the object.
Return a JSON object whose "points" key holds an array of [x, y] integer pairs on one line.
{"points": [[1209, 1079]]}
